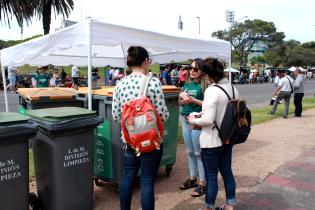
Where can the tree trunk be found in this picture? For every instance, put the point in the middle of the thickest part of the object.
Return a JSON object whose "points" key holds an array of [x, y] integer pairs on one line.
{"points": [[46, 15]]}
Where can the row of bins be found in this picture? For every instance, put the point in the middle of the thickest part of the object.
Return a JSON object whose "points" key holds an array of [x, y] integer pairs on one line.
{"points": [[73, 145], [108, 154]]}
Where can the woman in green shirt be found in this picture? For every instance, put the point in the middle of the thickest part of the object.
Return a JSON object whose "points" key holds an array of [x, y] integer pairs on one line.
{"points": [[42, 78], [191, 101]]}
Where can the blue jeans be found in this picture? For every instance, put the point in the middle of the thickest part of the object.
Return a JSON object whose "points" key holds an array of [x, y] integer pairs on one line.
{"points": [[191, 139], [215, 160], [149, 163]]}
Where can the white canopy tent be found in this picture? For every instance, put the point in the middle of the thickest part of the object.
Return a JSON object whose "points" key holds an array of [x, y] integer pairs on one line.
{"points": [[292, 68], [302, 69], [232, 70], [96, 43]]}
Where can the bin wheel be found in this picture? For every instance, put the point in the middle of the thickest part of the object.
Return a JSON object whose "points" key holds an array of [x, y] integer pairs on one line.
{"points": [[168, 170], [34, 201], [98, 182]]}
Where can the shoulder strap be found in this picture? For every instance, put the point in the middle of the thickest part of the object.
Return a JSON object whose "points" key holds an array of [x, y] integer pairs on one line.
{"points": [[290, 84], [144, 85], [226, 92]]}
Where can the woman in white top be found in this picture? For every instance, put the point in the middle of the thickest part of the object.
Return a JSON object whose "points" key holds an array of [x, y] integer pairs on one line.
{"points": [[215, 156]]}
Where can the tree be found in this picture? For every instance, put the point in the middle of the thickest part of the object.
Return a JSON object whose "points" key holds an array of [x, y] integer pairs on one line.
{"points": [[22, 10], [243, 36], [9, 43], [310, 45], [291, 53], [61, 7]]}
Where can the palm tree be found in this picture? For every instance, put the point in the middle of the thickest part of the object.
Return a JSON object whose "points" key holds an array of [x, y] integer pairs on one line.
{"points": [[63, 7], [22, 10]]}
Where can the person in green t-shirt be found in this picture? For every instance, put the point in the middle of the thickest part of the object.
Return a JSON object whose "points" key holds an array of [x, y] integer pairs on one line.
{"points": [[42, 78], [191, 101]]}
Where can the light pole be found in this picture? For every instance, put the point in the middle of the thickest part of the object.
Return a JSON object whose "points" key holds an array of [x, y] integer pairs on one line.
{"points": [[229, 17], [198, 23]]}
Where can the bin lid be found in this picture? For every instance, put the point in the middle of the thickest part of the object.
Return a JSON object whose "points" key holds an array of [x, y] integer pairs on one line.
{"points": [[64, 118], [9, 118], [104, 90], [60, 113], [108, 91], [13, 125], [37, 94]]}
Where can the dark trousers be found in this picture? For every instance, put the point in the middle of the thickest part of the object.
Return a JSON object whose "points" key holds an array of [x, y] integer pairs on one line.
{"points": [[149, 164], [216, 160], [298, 97]]}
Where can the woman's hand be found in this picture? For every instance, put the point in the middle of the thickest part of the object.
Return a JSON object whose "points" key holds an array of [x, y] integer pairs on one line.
{"points": [[188, 100]]}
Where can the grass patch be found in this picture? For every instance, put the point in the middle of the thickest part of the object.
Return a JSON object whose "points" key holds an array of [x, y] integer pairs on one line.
{"points": [[31, 170], [259, 115]]}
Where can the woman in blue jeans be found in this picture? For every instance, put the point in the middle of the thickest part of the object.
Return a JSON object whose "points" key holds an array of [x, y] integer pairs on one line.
{"points": [[191, 101], [215, 156], [127, 89]]}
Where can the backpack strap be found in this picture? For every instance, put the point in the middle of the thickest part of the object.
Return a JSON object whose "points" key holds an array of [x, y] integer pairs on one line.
{"points": [[215, 124], [226, 92], [144, 85], [290, 84]]}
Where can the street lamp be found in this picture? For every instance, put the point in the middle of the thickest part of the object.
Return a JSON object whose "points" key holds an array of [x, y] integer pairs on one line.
{"points": [[229, 17], [198, 23]]}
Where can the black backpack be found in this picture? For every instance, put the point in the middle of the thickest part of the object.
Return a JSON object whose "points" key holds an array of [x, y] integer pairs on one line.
{"points": [[236, 124]]}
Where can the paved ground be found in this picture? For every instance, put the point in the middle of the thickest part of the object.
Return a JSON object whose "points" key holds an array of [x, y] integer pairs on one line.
{"points": [[274, 170]]}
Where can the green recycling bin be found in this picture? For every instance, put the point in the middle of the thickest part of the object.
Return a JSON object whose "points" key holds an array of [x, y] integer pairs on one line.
{"points": [[63, 157], [82, 95], [15, 131], [40, 98], [108, 154]]}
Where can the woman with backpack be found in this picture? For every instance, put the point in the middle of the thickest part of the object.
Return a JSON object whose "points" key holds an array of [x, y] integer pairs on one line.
{"points": [[126, 90], [215, 156], [191, 101]]}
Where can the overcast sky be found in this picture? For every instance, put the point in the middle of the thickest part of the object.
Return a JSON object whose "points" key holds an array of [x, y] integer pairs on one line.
{"points": [[294, 17]]}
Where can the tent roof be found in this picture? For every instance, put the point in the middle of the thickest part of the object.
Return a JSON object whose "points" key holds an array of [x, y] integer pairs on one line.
{"points": [[232, 70], [109, 46]]}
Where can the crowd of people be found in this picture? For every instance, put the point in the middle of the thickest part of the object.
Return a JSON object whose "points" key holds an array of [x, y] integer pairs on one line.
{"points": [[202, 106]]}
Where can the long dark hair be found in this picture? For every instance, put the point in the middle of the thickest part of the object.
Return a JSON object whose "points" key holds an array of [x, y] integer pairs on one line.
{"points": [[213, 68]]}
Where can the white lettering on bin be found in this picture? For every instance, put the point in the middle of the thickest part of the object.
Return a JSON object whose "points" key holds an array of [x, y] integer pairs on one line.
{"points": [[9, 170], [76, 156]]}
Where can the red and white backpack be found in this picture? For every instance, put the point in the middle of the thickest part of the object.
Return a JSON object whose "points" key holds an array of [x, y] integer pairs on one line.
{"points": [[142, 127]]}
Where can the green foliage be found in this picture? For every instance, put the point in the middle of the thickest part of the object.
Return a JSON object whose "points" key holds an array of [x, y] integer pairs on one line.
{"points": [[10, 43], [22, 10], [291, 53], [25, 10], [257, 59], [243, 36]]}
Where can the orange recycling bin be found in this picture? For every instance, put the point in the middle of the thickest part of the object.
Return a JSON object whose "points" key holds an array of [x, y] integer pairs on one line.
{"points": [[39, 98]]}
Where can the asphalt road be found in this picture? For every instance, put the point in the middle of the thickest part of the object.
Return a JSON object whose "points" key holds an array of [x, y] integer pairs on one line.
{"points": [[255, 95], [260, 94]]}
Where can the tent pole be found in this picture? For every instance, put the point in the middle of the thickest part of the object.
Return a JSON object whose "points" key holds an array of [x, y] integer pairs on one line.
{"points": [[89, 67], [125, 69], [5, 89]]}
